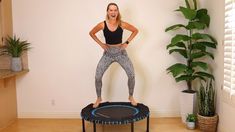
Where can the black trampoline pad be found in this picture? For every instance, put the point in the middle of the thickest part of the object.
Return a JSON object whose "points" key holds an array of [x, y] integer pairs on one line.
{"points": [[115, 111]]}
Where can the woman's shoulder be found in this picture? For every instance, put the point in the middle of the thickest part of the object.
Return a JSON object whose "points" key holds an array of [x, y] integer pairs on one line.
{"points": [[124, 24], [101, 24], [128, 26]]}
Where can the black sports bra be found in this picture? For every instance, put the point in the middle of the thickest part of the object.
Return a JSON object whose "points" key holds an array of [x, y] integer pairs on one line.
{"points": [[112, 37]]}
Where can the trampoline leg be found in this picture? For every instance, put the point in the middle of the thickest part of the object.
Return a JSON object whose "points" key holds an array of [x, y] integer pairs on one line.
{"points": [[83, 126], [147, 124], [132, 126], [94, 126]]}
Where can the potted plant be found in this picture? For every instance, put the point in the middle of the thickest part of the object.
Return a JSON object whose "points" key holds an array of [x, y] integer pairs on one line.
{"points": [[192, 45], [207, 118], [15, 47], [191, 121]]}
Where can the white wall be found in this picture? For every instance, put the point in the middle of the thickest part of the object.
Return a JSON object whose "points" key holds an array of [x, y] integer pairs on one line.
{"points": [[225, 108], [63, 60]]}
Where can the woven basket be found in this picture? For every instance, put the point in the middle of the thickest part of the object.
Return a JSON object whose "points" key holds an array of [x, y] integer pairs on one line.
{"points": [[207, 124]]}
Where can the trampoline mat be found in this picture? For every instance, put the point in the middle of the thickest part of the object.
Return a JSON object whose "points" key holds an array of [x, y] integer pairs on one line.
{"points": [[115, 113]]}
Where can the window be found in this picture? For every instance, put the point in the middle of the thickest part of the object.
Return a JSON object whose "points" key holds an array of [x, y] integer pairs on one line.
{"points": [[229, 47]]}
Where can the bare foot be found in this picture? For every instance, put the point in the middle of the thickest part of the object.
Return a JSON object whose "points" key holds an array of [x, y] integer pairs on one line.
{"points": [[97, 102], [132, 100]]}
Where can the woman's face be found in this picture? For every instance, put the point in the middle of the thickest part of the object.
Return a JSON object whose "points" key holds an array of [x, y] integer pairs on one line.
{"points": [[112, 12]]}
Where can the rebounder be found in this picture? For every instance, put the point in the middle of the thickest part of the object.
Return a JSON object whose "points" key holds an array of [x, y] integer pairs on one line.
{"points": [[115, 113]]}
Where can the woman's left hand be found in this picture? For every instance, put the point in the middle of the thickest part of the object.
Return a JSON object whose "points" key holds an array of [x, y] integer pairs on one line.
{"points": [[123, 46]]}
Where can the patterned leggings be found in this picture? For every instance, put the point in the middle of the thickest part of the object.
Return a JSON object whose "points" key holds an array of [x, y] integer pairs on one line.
{"points": [[114, 54]]}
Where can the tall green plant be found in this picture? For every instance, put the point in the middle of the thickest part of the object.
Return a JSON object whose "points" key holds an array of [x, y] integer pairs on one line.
{"points": [[14, 47], [206, 99], [192, 45]]}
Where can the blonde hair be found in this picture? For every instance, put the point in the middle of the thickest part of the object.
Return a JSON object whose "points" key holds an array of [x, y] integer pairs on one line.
{"points": [[119, 15]]}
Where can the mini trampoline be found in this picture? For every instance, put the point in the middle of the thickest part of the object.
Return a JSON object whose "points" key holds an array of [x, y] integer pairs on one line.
{"points": [[115, 113]]}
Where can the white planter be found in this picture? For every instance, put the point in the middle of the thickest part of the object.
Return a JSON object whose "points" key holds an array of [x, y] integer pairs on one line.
{"points": [[190, 125], [187, 104], [16, 64]]}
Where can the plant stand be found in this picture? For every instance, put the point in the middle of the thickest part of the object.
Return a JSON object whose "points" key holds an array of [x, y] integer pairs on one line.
{"points": [[187, 104]]}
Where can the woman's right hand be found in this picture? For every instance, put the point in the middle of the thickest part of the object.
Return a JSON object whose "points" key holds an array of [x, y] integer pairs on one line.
{"points": [[104, 46]]}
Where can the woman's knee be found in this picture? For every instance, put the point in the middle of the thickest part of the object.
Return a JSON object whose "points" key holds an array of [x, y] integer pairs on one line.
{"points": [[131, 76], [98, 78]]}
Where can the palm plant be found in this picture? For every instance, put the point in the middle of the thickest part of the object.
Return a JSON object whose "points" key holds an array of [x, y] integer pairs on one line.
{"points": [[192, 45], [14, 47]]}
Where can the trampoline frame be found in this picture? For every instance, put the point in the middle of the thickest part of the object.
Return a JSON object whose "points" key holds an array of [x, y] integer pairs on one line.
{"points": [[131, 122]]}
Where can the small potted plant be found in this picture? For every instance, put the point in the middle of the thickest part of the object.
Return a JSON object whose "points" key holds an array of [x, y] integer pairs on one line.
{"points": [[190, 121], [15, 47]]}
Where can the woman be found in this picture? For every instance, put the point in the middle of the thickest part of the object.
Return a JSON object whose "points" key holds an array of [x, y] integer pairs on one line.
{"points": [[114, 49]]}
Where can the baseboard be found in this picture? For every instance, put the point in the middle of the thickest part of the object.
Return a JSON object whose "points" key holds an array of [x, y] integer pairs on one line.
{"points": [[156, 113], [53, 115], [76, 115]]}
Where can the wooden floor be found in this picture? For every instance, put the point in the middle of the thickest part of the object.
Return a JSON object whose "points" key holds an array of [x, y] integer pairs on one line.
{"points": [[75, 125]]}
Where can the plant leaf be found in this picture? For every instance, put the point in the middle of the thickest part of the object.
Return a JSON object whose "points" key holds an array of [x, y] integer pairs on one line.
{"points": [[204, 74], [183, 78], [177, 69], [200, 12], [198, 36], [200, 77], [187, 4], [201, 54], [195, 4], [179, 37], [197, 55], [198, 46], [201, 64], [179, 44], [206, 44], [188, 13], [203, 17], [174, 27], [180, 51], [209, 54], [196, 25]]}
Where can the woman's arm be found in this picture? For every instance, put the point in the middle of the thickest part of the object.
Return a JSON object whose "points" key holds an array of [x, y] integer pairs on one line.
{"points": [[96, 29], [131, 28]]}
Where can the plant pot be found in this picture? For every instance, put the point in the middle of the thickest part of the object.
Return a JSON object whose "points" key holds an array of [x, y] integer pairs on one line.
{"points": [[190, 125], [16, 64], [187, 104], [207, 124]]}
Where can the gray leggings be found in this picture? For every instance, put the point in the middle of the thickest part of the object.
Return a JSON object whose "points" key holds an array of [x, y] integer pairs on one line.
{"points": [[114, 54]]}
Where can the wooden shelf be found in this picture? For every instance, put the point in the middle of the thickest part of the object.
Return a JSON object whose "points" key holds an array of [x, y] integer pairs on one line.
{"points": [[5, 73]]}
